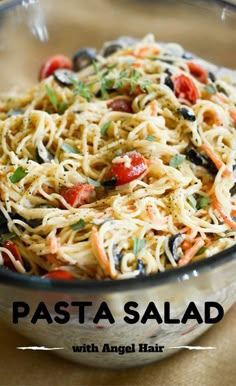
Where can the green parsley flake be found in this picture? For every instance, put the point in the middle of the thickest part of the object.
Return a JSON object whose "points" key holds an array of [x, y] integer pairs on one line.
{"points": [[78, 225], [203, 202], [104, 129], [83, 89], [139, 244], [52, 96], [68, 148], [151, 138], [18, 175], [7, 236], [62, 107], [201, 251], [210, 89], [177, 160], [93, 182]]}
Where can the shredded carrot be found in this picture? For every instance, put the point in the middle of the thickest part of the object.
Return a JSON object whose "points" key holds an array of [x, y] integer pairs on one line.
{"points": [[186, 245], [131, 207], [153, 107], [53, 245], [188, 231], [190, 253], [99, 252], [153, 217], [217, 206], [215, 159], [233, 116], [221, 97], [137, 64], [146, 50], [50, 257], [211, 117]]}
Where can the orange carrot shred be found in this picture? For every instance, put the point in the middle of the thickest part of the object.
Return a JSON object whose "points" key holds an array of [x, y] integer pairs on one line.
{"points": [[215, 159], [217, 206], [53, 245], [191, 252], [233, 116], [99, 252]]}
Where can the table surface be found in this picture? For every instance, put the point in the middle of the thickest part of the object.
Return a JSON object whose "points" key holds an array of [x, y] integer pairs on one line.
{"points": [[187, 368]]}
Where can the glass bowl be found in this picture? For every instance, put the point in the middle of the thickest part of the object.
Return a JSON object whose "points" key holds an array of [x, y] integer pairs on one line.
{"points": [[206, 28]]}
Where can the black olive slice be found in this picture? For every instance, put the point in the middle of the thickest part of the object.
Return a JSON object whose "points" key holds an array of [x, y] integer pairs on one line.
{"points": [[65, 77], [211, 76], [110, 184], [43, 154], [168, 82], [173, 244], [233, 190], [200, 160], [140, 267], [84, 58], [194, 157], [187, 114], [187, 55], [111, 49]]}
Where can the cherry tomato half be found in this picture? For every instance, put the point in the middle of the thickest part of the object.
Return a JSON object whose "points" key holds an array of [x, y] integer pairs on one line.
{"points": [[59, 274], [198, 72], [123, 173], [78, 194], [54, 63], [14, 250], [185, 88]]}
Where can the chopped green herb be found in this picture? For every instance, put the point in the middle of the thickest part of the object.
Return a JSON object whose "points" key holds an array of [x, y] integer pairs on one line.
{"points": [[7, 236], [203, 202], [62, 107], [69, 149], [17, 175], [93, 182], [78, 225], [201, 251], [177, 160], [104, 128], [210, 89], [145, 85], [151, 138], [139, 244], [95, 67], [52, 96], [192, 201], [83, 90], [112, 66]]}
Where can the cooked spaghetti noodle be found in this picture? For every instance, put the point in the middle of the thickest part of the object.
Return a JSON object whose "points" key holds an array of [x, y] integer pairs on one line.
{"points": [[144, 103]]}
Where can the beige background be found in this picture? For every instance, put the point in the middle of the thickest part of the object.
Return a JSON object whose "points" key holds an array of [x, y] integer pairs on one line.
{"points": [[187, 368]]}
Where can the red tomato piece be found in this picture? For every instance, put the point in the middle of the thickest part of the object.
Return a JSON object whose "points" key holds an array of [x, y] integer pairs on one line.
{"points": [[54, 63], [198, 72], [59, 274], [125, 174], [185, 88], [14, 250], [78, 195], [121, 104]]}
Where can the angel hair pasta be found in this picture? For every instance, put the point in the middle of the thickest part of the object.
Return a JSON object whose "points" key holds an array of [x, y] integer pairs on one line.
{"points": [[118, 164]]}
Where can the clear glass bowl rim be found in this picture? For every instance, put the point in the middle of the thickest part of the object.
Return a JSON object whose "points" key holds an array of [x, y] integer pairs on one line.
{"points": [[5, 6], [109, 286]]}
